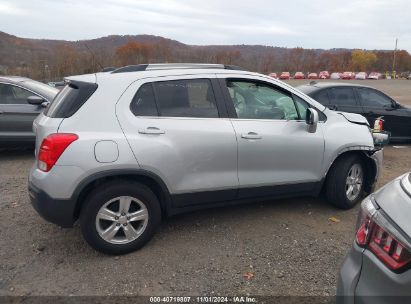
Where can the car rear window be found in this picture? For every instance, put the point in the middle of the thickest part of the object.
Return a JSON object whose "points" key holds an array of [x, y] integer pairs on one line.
{"points": [[70, 99], [176, 98]]}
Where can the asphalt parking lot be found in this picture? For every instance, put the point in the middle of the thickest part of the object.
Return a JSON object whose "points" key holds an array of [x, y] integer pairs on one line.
{"points": [[286, 247]]}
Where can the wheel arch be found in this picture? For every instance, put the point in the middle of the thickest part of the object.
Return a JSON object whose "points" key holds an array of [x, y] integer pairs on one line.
{"points": [[371, 167], [151, 180]]}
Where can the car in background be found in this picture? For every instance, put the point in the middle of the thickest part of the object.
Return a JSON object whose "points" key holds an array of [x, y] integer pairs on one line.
{"points": [[409, 77], [273, 75], [367, 101], [299, 75], [324, 75], [335, 76], [21, 101], [313, 76], [57, 84], [378, 267], [361, 76], [348, 75], [375, 76], [285, 75]]}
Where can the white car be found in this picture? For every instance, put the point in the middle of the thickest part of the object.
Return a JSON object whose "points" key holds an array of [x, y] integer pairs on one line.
{"points": [[361, 76], [335, 75], [374, 75]]}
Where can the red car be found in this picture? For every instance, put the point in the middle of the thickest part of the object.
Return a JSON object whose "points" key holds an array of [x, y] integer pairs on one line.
{"points": [[299, 75], [348, 75], [273, 75], [324, 75], [285, 76], [313, 76]]}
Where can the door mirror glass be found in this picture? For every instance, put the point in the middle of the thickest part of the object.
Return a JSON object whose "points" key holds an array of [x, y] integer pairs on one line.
{"points": [[311, 118], [35, 100]]}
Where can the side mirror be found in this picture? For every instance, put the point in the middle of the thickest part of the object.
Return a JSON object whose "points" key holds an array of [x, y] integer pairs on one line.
{"points": [[311, 119], [37, 101]]}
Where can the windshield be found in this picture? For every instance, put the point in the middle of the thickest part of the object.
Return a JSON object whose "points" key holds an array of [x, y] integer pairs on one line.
{"points": [[42, 89]]}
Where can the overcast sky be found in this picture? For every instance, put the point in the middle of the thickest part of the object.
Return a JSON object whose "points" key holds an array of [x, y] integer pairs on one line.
{"points": [[368, 24]]}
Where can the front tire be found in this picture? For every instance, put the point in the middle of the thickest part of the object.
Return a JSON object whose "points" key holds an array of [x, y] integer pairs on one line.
{"points": [[345, 182], [120, 217]]}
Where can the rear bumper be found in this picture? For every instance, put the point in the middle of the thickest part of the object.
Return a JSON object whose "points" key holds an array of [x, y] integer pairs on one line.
{"points": [[349, 275], [57, 211]]}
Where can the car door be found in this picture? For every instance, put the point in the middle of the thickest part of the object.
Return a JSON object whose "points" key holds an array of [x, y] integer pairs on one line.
{"points": [[178, 129], [344, 99], [276, 153], [397, 119], [16, 115]]}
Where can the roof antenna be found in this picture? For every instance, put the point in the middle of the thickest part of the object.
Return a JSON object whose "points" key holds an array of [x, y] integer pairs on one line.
{"points": [[94, 57], [313, 82]]}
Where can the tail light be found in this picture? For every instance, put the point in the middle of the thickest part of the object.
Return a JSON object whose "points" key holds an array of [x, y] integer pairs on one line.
{"points": [[51, 149], [377, 234]]}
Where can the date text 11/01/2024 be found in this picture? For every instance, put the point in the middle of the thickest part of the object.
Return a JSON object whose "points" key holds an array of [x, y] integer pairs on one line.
{"points": [[203, 299]]}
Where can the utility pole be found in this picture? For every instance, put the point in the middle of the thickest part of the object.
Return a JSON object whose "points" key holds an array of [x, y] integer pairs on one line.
{"points": [[393, 60]]}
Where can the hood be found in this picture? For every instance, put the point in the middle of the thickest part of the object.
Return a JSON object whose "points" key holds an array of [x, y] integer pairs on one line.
{"points": [[354, 118], [395, 199]]}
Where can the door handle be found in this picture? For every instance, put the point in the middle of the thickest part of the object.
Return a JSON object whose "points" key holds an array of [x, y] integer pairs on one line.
{"points": [[151, 130], [251, 135]]}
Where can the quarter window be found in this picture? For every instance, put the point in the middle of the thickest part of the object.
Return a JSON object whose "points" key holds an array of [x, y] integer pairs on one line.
{"points": [[372, 98], [144, 103], [254, 100]]}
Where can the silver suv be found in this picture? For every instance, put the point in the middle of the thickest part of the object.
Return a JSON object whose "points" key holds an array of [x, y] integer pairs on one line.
{"points": [[120, 150]]}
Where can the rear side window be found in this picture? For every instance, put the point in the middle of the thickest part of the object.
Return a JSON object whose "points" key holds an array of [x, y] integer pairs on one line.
{"points": [[186, 98], [70, 99], [342, 97], [322, 97], [176, 98]]}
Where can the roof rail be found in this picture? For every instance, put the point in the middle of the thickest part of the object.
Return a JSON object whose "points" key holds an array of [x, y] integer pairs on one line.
{"points": [[172, 66]]}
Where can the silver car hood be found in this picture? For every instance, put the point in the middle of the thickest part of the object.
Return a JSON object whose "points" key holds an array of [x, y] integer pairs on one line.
{"points": [[355, 118], [395, 200]]}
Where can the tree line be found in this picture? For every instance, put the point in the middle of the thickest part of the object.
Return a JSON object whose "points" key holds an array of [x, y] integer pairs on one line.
{"points": [[64, 60]]}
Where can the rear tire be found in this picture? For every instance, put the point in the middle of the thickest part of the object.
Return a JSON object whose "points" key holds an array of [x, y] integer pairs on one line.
{"points": [[120, 217], [345, 182]]}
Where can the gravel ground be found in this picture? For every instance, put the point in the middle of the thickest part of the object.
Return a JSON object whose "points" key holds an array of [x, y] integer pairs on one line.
{"points": [[289, 246]]}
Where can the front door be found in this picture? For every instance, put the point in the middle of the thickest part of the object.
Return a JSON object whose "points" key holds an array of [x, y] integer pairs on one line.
{"points": [[275, 151], [16, 115], [397, 120]]}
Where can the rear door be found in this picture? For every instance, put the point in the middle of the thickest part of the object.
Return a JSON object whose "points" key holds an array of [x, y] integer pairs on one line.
{"points": [[276, 154], [344, 99], [16, 115], [178, 129]]}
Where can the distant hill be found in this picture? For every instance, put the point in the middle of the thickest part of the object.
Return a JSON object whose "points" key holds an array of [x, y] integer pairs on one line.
{"points": [[51, 59]]}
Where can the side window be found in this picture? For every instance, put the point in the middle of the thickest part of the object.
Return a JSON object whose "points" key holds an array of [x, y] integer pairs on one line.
{"points": [[10, 94], [186, 98], [372, 98], [255, 100], [302, 106], [342, 97], [322, 97], [144, 103]]}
